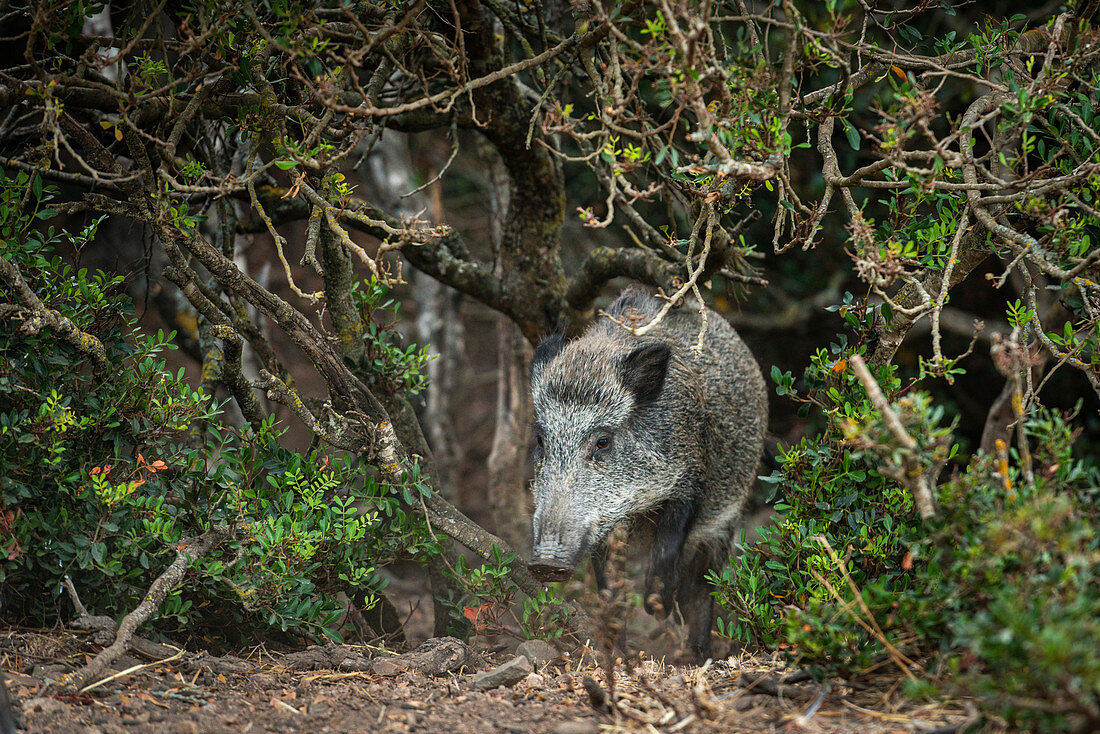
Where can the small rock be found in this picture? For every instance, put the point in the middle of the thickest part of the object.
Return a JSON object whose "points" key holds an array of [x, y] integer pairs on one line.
{"points": [[263, 681], [533, 681], [439, 655], [45, 706], [386, 668], [539, 652], [580, 726], [744, 703], [508, 674]]}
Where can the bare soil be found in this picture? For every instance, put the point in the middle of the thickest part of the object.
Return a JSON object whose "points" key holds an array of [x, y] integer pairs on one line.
{"points": [[268, 692]]}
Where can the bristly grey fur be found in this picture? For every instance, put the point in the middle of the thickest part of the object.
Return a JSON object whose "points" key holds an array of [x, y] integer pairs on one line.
{"points": [[686, 433]]}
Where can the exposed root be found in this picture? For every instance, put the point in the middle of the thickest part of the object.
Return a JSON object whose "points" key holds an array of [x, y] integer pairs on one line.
{"points": [[187, 551]]}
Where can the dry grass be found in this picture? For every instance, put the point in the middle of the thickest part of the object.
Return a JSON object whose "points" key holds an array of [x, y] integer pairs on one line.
{"points": [[754, 693]]}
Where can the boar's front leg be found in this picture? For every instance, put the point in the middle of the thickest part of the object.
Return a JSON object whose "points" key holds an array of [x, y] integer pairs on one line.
{"points": [[697, 604], [664, 576], [599, 565]]}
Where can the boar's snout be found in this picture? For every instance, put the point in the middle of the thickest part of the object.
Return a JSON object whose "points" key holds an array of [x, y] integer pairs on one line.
{"points": [[561, 542]]}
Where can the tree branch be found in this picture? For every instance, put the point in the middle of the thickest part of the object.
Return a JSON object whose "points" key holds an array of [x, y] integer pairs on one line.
{"points": [[605, 263], [37, 316], [912, 475]]}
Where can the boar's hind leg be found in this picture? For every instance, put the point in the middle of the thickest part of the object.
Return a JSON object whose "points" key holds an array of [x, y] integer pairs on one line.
{"points": [[664, 575], [697, 606]]}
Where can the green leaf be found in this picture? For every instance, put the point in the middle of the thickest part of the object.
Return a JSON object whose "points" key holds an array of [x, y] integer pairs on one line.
{"points": [[851, 133]]}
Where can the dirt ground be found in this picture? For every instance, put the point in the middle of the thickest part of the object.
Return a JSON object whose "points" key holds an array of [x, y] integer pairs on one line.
{"points": [[365, 689]]}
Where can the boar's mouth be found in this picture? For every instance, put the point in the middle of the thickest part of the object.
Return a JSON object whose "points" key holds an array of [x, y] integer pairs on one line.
{"points": [[549, 570]]}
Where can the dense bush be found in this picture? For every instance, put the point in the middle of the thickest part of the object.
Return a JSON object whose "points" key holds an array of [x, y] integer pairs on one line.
{"points": [[996, 596], [104, 471], [1006, 584], [831, 498]]}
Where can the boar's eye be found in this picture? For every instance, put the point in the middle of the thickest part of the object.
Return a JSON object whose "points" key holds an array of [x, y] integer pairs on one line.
{"points": [[602, 445]]}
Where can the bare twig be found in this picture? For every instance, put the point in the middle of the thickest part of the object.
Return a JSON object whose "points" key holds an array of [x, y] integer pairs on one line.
{"points": [[914, 476]]}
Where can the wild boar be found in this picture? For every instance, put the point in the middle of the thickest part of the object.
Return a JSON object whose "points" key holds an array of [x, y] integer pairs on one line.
{"points": [[659, 431]]}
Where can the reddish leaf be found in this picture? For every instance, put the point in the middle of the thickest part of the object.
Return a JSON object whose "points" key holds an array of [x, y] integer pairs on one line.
{"points": [[474, 613]]}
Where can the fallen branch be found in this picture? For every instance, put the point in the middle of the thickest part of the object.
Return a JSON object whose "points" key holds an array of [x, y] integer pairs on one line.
{"points": [[187, 551], [132, 669], [777, 685]]}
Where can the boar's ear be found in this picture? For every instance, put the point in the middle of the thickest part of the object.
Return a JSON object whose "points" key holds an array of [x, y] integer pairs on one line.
{"points": [[643, 370], [547, 349]]}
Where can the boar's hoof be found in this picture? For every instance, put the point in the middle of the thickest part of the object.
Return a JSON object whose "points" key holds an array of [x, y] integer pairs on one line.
{"points": [[549, 570], [655, 605]]}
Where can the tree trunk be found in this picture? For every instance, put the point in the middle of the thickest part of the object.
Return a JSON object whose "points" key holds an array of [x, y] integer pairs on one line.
{"points": [[508, 456], [439, 325]]}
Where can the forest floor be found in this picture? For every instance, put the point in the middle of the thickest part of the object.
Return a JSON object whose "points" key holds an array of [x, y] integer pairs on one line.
{"points": [[356, 688]]}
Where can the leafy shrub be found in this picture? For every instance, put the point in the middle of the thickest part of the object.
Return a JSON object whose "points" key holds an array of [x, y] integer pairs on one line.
{"points": [[1000, 590], [386, 363], [1016, 573], [105, 472], [481, 600], [827, 488]]}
